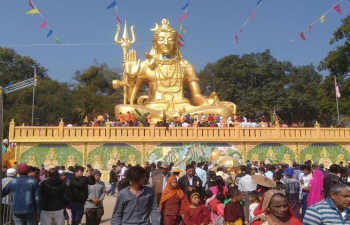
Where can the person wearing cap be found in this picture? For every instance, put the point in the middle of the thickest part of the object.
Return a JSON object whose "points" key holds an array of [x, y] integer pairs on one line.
{"points": [[79, 192], [25, 197], [293, 190], [52, 192], [6, 201], [94, 206], [159, 181]]}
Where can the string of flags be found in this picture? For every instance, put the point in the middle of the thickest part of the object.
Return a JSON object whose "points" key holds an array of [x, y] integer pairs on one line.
{"points": [[114, 5], [321, 19], [35, 10], [181, 20], [249, 18]]}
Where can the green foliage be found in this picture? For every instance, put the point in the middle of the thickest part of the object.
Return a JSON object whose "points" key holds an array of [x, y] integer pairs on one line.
{"points": [[259, 84]]}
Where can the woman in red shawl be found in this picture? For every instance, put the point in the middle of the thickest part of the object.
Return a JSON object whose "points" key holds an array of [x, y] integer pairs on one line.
{"points": [[274, 209], [170, 202]]}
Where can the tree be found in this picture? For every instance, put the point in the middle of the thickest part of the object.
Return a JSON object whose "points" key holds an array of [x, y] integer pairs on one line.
{"points": [[259, 84], [338, 61]]}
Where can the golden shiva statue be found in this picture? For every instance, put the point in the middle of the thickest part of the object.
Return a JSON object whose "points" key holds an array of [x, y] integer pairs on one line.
{"points": [[165, 71]]}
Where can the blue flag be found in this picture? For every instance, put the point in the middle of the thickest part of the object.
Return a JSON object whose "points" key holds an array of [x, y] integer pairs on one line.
{"points": [[261, 1], [50, 32], [188, 3], [113, 4]]}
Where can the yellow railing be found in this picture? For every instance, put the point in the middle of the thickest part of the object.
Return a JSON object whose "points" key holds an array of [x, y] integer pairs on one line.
{"points": [[175, 134]]}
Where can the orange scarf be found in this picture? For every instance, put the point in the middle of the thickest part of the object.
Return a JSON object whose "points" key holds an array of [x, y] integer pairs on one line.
{"points": [[169, 191]]}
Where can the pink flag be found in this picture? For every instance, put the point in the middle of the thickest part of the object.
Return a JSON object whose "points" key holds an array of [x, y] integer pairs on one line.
{"points": [[302, 36], [337, 8], [180, 37], [310, 28], [179, 43], [117, 17], [236, 37], [241, 30], [31, 4], [182, 17], [43, 24], [337, 92], [252, 15]]}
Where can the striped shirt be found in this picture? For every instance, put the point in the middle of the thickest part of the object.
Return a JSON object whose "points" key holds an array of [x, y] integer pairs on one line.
{"points": [[325, 212]]}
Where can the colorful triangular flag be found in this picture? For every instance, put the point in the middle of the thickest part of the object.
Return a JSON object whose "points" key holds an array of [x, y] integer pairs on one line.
{"points": [[310, 28], [43, 24], [113, 4], [337, 8], [57, 41], [49, 34], [258, 2], [180, 37], [179, 43], [322, 19], [187, 4], [236, 37], [302, 36], [117, 17], [182, 29], [31, 4], [252, 15], [182, 17], [32, 11]]}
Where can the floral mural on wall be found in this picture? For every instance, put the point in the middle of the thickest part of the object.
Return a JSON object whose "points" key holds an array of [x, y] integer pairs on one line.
{"points": [[271, 153], [183, 153]]}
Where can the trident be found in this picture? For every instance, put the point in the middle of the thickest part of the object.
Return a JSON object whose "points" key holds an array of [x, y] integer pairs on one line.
{"points": [[125, 43]]}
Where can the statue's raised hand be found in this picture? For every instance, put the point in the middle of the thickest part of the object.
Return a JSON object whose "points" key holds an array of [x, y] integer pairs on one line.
{"points": [[132, 64]]}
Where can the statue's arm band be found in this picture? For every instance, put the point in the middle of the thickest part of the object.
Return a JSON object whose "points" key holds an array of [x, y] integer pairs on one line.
{"points": [[192, 79]]}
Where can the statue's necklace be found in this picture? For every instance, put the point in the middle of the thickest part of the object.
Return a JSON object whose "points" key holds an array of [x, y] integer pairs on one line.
{"points": [[168, 82]]}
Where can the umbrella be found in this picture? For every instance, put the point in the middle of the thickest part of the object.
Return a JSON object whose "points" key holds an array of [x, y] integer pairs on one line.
{"points": [[227, 161]]}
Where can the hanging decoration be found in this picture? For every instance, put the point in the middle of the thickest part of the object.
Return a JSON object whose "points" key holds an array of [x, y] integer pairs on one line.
{"points": [[35, 10], [336, 7], [114, 5], [182, 29], [249, 18]]}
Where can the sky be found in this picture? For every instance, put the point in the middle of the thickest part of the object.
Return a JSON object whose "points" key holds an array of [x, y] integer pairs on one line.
{"points": [[86, 30]]}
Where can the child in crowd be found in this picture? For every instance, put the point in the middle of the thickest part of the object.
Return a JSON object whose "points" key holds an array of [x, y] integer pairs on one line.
{"points": [[195, 213], [220, 220], [211, 204], [254, 199], [234, 214]]}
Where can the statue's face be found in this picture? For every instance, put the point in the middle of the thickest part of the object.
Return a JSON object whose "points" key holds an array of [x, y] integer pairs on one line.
{"points": [[166, 43]]}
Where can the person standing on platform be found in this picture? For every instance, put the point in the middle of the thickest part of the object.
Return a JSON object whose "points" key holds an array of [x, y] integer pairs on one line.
{"points": [[94, 206]]}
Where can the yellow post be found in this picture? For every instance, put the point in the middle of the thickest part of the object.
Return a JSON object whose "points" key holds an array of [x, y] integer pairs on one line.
{"points": [[60, 129], [318, 131], [12, 130]]}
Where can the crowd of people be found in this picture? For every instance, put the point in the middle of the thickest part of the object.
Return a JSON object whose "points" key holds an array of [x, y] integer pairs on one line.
{"points": [[163, 194]]}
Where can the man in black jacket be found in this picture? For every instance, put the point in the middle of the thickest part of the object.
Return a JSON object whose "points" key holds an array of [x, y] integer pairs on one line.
{"points": [[79, 192], [190, 182], [112, 180], [52, 191]]}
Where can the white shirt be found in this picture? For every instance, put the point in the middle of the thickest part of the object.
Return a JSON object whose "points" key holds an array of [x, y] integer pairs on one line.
{"points": [[122, 172], [202, 175], [247, 184]]}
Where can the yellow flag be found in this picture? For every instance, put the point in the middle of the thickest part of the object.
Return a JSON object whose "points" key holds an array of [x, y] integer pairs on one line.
{"points": [[322, 19], [32, 11], [182, 29]]}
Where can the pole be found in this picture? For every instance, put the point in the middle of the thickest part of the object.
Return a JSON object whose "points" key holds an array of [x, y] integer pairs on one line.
{"points": [[1, 138], [336, 97], [33, 105]]}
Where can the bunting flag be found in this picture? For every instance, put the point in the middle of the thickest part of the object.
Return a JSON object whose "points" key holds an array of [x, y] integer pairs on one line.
{"points": [[258, 2], [236, 37], [112, 5], [49, 34], [43, 24], [179, 43], [182, 29], [337, 8], [31, 4], [35, 10], [57, 41], [117, 17], [32, 11], [182, 17], [185, 7], [180, 37], [241, 30], [310, 28], [322, 19], [302, 36], [252, 15]]}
